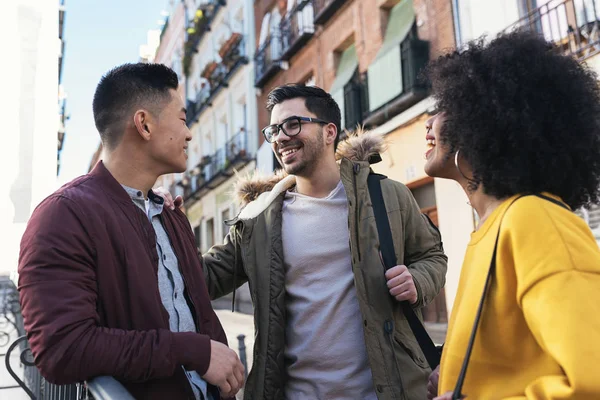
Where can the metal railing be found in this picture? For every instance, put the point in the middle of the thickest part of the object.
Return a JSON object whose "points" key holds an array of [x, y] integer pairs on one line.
{"points": [[297, 28], [236, 148], [572, 25], [324, 9], [26, 375], [215, 166], [218, 78], [268, 58]]}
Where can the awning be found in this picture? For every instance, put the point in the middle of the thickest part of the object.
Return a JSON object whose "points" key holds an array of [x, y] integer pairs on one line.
{"points": [[402, 17], [346, 68], [385, 73]]}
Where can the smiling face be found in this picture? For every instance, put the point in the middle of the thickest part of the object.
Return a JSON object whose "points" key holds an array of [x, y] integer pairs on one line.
{"points": [[300, 154], [170, 137], [439, 162]]}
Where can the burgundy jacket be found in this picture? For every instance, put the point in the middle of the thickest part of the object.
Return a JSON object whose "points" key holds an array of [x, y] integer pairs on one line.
{"points": [[89, 292]]}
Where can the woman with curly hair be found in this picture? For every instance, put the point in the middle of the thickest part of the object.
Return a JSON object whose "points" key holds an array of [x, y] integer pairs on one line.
{"points": [[519, 129]]}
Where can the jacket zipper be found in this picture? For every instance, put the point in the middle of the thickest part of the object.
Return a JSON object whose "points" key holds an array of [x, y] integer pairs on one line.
{"points": [[356, 169]]}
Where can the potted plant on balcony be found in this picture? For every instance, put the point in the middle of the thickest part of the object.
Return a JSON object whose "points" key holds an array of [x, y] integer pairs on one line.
{"points": [[208, 69], [230, 45]]}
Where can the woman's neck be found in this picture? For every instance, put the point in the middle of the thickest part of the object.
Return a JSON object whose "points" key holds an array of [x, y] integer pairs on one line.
{"points": [[483, 204]]}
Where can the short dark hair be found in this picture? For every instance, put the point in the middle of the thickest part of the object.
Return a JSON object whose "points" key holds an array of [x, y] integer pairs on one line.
{"points": [[125, 88], [525, 117], [316, 100]]}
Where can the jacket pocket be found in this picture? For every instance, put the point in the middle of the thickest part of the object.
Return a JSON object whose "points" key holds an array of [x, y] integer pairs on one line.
{"points": [[412, 349]]}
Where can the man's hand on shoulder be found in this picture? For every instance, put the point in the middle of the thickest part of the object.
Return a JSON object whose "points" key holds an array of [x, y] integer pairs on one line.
{"points": [[169, 202]]}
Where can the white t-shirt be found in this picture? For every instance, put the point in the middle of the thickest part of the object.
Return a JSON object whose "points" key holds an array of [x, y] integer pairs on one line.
{"points": [[325, 352]]}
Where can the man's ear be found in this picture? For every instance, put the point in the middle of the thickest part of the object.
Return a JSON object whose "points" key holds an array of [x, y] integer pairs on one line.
{"points": [[330, 133], [141, 120]]}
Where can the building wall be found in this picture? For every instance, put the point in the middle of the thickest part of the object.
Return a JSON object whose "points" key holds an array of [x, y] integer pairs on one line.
{"points": [[362, 22], [29, 33], [231, 111]]}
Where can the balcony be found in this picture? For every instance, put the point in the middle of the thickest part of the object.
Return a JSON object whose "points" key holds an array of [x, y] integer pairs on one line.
{"points": [[196, 106], [573, 26], [324, 9], [297, 28], [414, 55], [196, 29], [216, 168], [217, 75], [268, 59]]}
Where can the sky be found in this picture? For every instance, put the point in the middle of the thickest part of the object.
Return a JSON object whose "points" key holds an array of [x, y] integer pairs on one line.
{"points": [[99, 35]]}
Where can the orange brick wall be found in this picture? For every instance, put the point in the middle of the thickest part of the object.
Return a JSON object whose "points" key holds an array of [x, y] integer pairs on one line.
{"points": [[361, 22]]}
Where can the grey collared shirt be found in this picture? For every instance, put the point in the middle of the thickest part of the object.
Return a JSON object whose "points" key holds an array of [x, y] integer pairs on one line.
{"points": [[170, 283]]}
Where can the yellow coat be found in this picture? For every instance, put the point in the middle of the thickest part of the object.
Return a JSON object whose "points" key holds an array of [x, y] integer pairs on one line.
{"points": [[539, 335]]}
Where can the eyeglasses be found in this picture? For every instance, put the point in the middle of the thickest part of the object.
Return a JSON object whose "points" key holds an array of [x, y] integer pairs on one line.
{"points": [[291, 126]]}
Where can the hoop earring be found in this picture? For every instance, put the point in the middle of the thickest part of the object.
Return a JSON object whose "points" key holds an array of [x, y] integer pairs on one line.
{"points": [[458, 168]]}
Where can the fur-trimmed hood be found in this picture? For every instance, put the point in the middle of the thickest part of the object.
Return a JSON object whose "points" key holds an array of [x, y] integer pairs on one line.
{"points": [[255, 191]]}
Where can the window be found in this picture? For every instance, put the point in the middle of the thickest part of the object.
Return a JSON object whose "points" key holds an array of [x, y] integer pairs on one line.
{"points": [[478, 17], [210, 233], [346, 69], [198, 236], [388, 62]]}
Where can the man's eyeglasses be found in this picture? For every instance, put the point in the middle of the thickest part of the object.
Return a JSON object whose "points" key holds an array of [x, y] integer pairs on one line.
{"points": [[291, 126]]}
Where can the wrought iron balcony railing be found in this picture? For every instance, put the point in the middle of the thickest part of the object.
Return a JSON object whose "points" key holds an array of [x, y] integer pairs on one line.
{"points": [[572, 25], [297, 28], [214, 169], [267, 61], [218, 74], [324, 9]]}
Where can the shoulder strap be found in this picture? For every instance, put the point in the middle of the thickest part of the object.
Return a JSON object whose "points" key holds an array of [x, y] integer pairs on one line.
{"points": [[456, 395], [389, 259]]}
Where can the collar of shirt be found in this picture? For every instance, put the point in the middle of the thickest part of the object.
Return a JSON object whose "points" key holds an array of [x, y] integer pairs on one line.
{"points": [[151, 206]]}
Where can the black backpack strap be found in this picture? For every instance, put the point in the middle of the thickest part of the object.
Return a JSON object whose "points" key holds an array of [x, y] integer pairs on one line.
{"points": [[386, 245]]}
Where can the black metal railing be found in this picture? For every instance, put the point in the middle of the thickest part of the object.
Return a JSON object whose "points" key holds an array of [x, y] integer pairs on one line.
{"points": [[196, 106], [572, 25], [232, 57], [324, 9], [216, 167], [297, 28], [236, 149], [267, 61], [19, 363]]}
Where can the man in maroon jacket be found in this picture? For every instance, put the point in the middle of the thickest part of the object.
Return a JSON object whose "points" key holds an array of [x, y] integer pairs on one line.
{"points": [[110, 282]]}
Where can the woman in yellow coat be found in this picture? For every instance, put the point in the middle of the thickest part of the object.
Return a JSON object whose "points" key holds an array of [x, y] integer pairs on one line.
{"points": [[519, 129]]}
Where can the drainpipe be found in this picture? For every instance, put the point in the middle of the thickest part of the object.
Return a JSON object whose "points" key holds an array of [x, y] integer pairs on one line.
{"points": [[456, 17]]}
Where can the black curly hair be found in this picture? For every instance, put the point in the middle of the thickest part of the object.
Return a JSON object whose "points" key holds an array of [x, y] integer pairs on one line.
{"points": [[525, 117]]}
